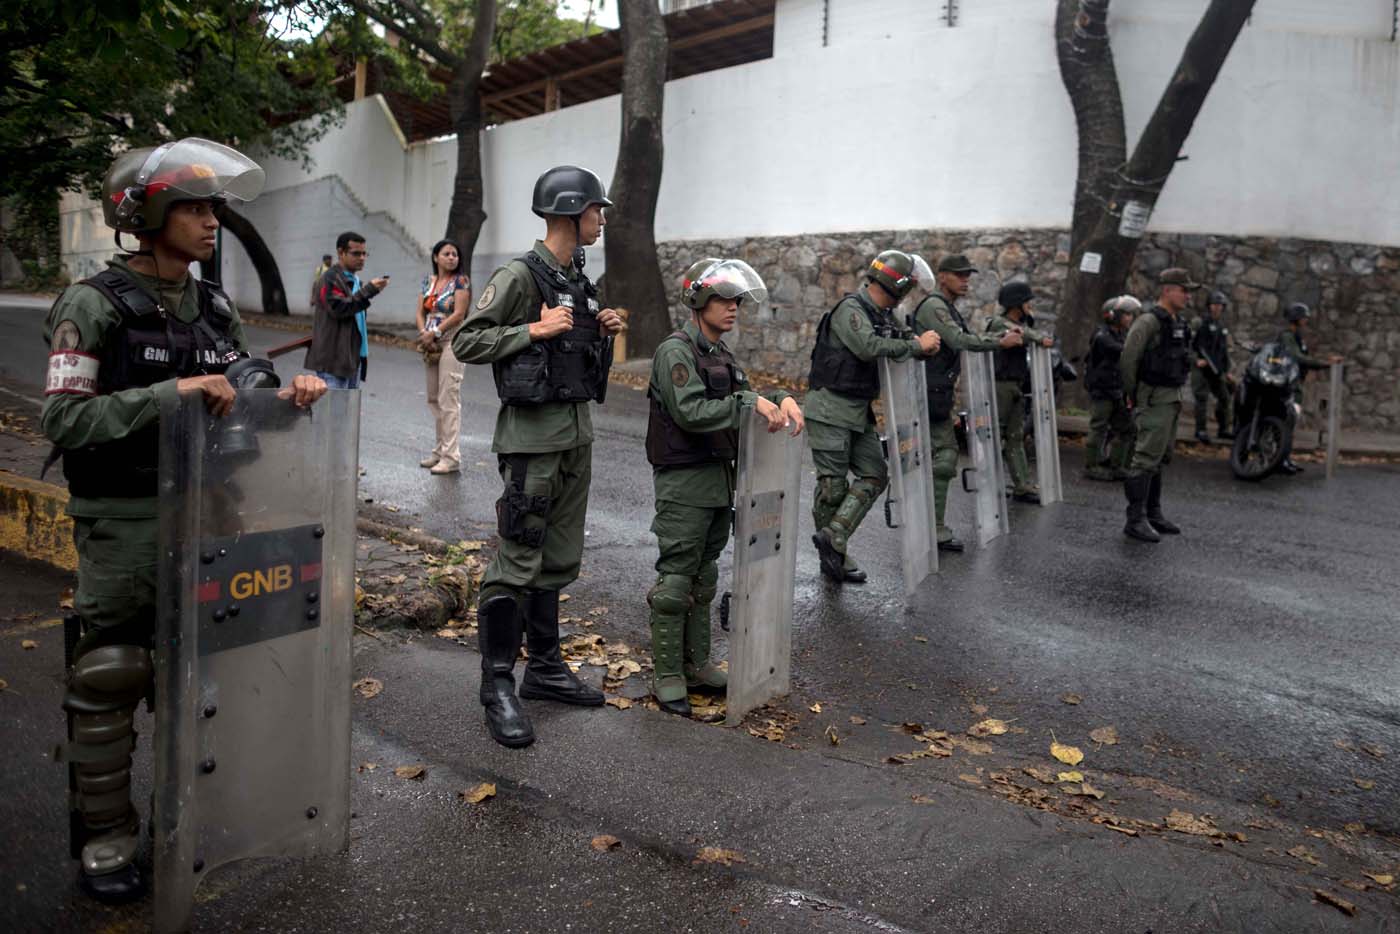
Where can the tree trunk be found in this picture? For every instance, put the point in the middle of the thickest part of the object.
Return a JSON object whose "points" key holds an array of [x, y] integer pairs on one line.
{"points": [[274, 297], [1107, 189], [468, 213], [633, 279]]}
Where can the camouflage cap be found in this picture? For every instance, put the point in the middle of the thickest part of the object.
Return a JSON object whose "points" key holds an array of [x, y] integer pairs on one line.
{"points": [[1177, 276], [955, 262]]}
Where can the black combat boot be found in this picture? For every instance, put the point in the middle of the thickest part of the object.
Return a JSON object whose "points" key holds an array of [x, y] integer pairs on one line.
{"points": [[1154, 507], [547, 677], [1135, 489], [498, 622]]}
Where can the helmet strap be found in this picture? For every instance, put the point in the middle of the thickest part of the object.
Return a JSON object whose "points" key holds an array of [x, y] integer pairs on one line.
{"points": [[579, 258]]}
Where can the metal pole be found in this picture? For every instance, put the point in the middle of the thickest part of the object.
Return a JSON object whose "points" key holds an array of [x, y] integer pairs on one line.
{"points": [[1334, 417]]}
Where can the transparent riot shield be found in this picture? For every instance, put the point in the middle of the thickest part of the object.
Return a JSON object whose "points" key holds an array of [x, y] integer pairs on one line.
{"points": [[765, 563], [257, 600], [1047, 437], [987, 473], [909, 504], [1334, 416]]}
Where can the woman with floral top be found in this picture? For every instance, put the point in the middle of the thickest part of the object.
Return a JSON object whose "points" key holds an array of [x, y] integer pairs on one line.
{"points": [[446, 294]]}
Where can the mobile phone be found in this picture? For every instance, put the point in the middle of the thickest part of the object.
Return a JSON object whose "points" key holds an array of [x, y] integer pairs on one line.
{"points": [[385, 276]]}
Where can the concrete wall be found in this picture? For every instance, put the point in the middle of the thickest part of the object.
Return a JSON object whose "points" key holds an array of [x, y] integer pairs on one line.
{"points": [[899, 122]]}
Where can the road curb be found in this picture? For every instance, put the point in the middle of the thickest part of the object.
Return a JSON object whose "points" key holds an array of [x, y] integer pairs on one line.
{"points": [[34, 521]]}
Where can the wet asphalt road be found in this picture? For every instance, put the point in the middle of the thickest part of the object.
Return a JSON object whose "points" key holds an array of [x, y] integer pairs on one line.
{"points": [[1246, 665]]}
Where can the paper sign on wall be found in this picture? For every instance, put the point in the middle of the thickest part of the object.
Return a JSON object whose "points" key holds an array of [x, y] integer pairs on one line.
{"points": [[1134, 223], [1091, 263]]}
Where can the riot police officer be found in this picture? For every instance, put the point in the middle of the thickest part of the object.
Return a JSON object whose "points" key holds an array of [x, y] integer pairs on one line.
{"points": [[1013, 375], [1154, 364], [1109, 446], [1210, 339], [843, 381], [1295, 343], [140, 331], [939, 313], [539, 324], [697, 394]]}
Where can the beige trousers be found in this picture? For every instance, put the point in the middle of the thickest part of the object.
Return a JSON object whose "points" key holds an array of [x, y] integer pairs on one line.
{"points": [[445, 402]]}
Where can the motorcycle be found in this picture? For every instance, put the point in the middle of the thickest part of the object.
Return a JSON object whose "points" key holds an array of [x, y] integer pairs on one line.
{"points": [[1265, 412]]}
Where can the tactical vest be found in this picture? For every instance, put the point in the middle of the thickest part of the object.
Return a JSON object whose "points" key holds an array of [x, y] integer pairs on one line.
{"points": [[1011, 363], [146, 347], [669, 445], [1168, 362], [1103, 379], [1212, 340], [834, 367], [942, 368], [572, 367]]}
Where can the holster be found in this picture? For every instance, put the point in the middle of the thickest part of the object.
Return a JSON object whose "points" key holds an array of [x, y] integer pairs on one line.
{"points": [[515, 505]]}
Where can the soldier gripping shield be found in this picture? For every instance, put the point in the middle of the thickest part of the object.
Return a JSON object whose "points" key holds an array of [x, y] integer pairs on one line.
{"points": [[1110, 443], [698, 397], [939, 313], [1012, 374], [124, 344], [538, 323]]}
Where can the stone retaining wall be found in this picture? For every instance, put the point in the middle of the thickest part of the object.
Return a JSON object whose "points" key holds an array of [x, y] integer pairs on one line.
{"points": [[1352, 288]]}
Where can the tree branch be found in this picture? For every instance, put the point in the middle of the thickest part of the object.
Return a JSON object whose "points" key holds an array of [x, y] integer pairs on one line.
{"points": [[412, 36]]}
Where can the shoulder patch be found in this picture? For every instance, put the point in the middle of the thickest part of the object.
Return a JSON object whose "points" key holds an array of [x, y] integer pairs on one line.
{"points": [[855, 320], [66, 336], [680, 375], [487, 294]]}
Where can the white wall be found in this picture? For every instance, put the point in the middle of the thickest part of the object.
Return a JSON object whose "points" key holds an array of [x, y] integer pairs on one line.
{"points": [[902, 122]]}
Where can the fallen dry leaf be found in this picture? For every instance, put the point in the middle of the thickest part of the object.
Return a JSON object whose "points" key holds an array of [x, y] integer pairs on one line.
{"points": [[413, 773], [718, 856], [1365, 784], [1044, 776], [368, 687], [621, 703], [1104, 735], [770, 731], [478, 793], [1069, 755], [923, 799], [623, 668], [973, 746], [1374, 752], [970, 779], [367, 766], [28, 644], [1127, 830], [619, 648], [1184, 822], [1070, 777], [912, 728], [1380, 878], [858, 721], [1071, 698], [1355, 886], [815, 708], [563, 597], [707, 713], [4, 684], [1083, 789], [978, 709], [988, 727], [446, 634], [598, 611], [605, 842], [921, 638], [1336, 901], [831, 736], [1301, 852]]}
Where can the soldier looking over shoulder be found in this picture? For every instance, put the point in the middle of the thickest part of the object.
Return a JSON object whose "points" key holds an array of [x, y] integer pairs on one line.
{"points": [[939, 313], [844, 380], [539, 325], [698, 394], [139, 332]]}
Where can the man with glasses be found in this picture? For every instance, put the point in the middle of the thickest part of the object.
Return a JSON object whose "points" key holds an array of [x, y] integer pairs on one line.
{"points": [[339, 351], [939, 312], [1155, 364]]}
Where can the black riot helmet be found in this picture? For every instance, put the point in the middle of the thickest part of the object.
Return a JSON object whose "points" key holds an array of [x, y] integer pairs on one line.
{"points": [[1296, 312], [1014, 295], [568, 190], [1218, 298]]}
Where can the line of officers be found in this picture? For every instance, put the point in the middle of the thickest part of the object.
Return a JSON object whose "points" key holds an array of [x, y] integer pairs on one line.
{"points": [[145, 329]]}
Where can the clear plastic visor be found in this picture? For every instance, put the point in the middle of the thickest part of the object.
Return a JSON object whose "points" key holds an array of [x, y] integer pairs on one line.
{"points": [[199, 168], [923, 274], [734, 279]]}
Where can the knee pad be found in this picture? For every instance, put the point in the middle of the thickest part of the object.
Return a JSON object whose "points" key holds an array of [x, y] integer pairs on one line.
{"points": [[110, 677], [945, 463], [671, 595], [831, 490], [706, 584], [866, 489]]}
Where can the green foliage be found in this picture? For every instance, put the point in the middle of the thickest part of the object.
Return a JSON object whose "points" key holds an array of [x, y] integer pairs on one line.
{"points": [[82, 80], [526, 26]]}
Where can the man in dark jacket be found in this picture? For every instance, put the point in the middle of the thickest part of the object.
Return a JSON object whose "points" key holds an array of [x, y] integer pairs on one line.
{"points": [[1110, 419], [339, 333]]}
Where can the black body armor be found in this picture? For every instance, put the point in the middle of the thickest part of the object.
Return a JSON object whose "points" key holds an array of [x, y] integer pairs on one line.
{"points": [[834, 367], [572, 367], [1012, 364], [1212, 342], [1167, 363], [669, 445], [146, 348], [1104, 380]]}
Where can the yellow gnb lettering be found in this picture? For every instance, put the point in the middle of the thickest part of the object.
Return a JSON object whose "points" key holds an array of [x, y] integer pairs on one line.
{"points": [[247, 584]]}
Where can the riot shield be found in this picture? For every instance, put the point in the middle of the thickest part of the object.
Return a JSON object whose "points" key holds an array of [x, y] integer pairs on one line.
{"points": [[1334, 416], [1047, 429], [909, 503], [256, 608], [984, 446], [765, 563]]}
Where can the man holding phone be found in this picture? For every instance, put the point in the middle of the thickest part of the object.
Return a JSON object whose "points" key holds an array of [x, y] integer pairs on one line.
{"points": [[339, 351]]}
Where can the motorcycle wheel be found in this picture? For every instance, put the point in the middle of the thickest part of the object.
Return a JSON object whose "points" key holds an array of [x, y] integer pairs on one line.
{"points": [[1257, 461]]}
